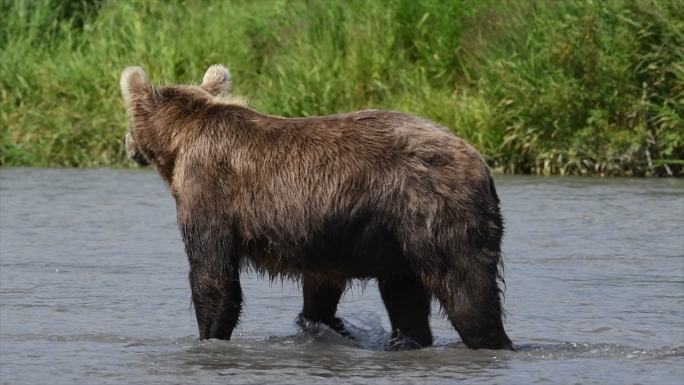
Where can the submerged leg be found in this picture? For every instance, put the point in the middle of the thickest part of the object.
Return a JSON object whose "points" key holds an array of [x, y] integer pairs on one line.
{"points": [[218, 303], [408, 305], [215, 283], [320, 305]]}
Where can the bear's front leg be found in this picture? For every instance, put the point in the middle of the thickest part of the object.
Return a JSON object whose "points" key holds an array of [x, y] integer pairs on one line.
{"points": [[217, 298], [214, 282], [320, 305]]}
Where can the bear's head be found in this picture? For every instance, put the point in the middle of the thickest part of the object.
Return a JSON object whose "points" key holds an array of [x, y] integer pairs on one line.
{"points": [[159, 116]]}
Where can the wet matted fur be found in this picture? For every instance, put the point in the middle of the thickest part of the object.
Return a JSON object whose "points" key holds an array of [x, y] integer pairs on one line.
{"points": [[326, 199]]}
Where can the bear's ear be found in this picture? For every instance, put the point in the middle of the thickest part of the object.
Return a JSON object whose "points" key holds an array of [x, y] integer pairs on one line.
{"points": [[134, 84], [217, 80]]}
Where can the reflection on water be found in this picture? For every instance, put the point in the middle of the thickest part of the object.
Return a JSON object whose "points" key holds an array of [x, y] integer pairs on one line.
{"points": [[93, 289]]}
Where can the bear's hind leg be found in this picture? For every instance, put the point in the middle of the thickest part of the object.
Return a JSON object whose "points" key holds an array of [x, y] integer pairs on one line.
{"points": [[320, 305], [408, 305], [471, 302]]}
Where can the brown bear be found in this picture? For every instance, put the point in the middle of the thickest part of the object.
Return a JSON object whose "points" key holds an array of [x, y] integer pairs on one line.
{"points": [[325, 199]]}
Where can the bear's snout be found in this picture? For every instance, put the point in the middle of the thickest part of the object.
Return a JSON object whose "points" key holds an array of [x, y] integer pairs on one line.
{"points": [[133, 152]]}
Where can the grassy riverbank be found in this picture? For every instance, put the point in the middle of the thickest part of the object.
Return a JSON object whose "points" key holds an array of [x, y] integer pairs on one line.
{"points": [[562, 87]]}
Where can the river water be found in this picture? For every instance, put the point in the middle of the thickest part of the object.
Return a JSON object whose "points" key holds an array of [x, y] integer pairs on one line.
{"points": [[93, 286]]}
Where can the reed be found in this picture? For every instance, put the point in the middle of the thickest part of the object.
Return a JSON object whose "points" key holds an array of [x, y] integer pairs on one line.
{"points": [[564, 87]]}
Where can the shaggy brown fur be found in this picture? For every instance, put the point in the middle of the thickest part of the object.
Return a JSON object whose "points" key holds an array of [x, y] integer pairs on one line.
{"points": [[370, 194]]}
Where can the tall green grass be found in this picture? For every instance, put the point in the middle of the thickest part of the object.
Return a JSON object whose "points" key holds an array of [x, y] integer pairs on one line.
{"points": [[566, 87]]}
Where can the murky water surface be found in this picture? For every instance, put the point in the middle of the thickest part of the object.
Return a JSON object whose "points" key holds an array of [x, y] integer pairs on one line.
{"points": [[93, 286]]}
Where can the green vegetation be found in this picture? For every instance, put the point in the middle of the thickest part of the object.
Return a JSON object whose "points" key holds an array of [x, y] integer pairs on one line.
{"points": [[546, 87]]}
